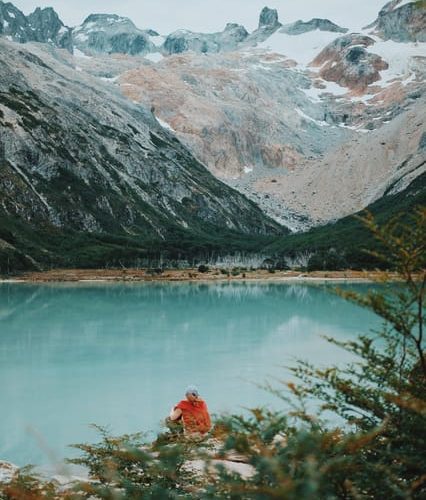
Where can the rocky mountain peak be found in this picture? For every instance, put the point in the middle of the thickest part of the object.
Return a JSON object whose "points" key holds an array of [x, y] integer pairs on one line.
{"points": [[43, 25], [46, 24], [394, 4], [13, 23], [203, 43], [111, 34], [268, 18], [402, 21], [108, 20], [299, 27]]}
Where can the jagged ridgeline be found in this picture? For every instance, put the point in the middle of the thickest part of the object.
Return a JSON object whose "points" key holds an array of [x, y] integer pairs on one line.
{"points": [[43, 25], [89, 178]]}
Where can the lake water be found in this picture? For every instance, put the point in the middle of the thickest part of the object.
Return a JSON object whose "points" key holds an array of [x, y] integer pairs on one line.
{"points": [[122, 354]]}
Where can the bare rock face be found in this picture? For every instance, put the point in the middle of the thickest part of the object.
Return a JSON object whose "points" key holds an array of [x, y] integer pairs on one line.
{"points": [[268, 25], [235, 113], [43, 25], [300, 27], [357, 173], [46, 25], [182, 40], [111, 34], [13, 23], [76, 155], [269, 19], [405, 23], [347, 62]]}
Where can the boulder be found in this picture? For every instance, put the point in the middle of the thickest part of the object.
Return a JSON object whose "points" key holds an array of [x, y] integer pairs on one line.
{"points": [[7, 472]]}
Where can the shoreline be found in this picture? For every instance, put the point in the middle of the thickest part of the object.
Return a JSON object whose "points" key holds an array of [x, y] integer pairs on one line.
{"points": [[194, 276]]}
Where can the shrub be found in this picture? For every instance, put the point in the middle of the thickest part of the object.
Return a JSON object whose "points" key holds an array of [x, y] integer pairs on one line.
{"points": [[329, 260]]}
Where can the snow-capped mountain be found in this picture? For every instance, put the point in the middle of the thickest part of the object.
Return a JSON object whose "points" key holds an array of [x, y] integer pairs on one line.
{"points": [[310, 119], [112, 34], [288, 98]]}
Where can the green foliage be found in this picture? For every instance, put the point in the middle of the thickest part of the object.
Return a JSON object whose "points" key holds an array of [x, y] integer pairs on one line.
{"points": [[349, 237], [329, 260], [203, 268], [128, 468], [51, 247], [335, 246], [380, 449]]}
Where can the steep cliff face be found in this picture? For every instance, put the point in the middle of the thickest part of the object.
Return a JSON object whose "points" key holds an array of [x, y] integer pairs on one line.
{"points": [[402, 21], [75, 155], [43, 25], [47, 27]]}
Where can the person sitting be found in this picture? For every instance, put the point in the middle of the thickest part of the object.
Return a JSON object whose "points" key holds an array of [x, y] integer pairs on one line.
{"points": [[192, 413]]}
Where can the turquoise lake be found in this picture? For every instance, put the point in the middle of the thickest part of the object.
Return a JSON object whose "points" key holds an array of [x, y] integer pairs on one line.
{"points": [[122, 354]]}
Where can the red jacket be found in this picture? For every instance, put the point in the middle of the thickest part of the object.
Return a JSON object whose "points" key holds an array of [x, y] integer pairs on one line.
{"points": [[195, 416]]}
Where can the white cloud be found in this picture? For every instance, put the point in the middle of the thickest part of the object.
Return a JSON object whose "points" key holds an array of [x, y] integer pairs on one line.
{"points": [[207, 15]]}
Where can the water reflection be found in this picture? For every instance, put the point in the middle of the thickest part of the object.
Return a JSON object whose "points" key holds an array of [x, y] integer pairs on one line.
{"points": [[120, 354]]}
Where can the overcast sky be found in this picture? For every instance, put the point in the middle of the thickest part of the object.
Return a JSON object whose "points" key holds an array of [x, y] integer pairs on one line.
{"points": [[209, 15]]}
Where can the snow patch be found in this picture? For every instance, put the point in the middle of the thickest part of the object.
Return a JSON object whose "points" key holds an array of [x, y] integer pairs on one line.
{"points": [[316, 94], [82, 37], [248, 170], [404, 2], [355, 129], [261, 66], [110, 79], [31, 186], [158, 40], [12, 15], [165, 124], [5, 24], [398, 56], [7, 471], [364, 99], [310, 119], [301, 48], [89, 26], [154, 57], [82, 55]]}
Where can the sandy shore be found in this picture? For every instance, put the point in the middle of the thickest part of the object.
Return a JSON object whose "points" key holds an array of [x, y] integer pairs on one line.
{"points": [[142, 275]]}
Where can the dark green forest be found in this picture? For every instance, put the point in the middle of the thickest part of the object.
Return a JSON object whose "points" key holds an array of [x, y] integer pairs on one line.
{"points": [[336, 246]]}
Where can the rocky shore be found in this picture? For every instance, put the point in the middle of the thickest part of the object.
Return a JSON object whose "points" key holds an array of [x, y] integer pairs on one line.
{"points": [[149, 275]]}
